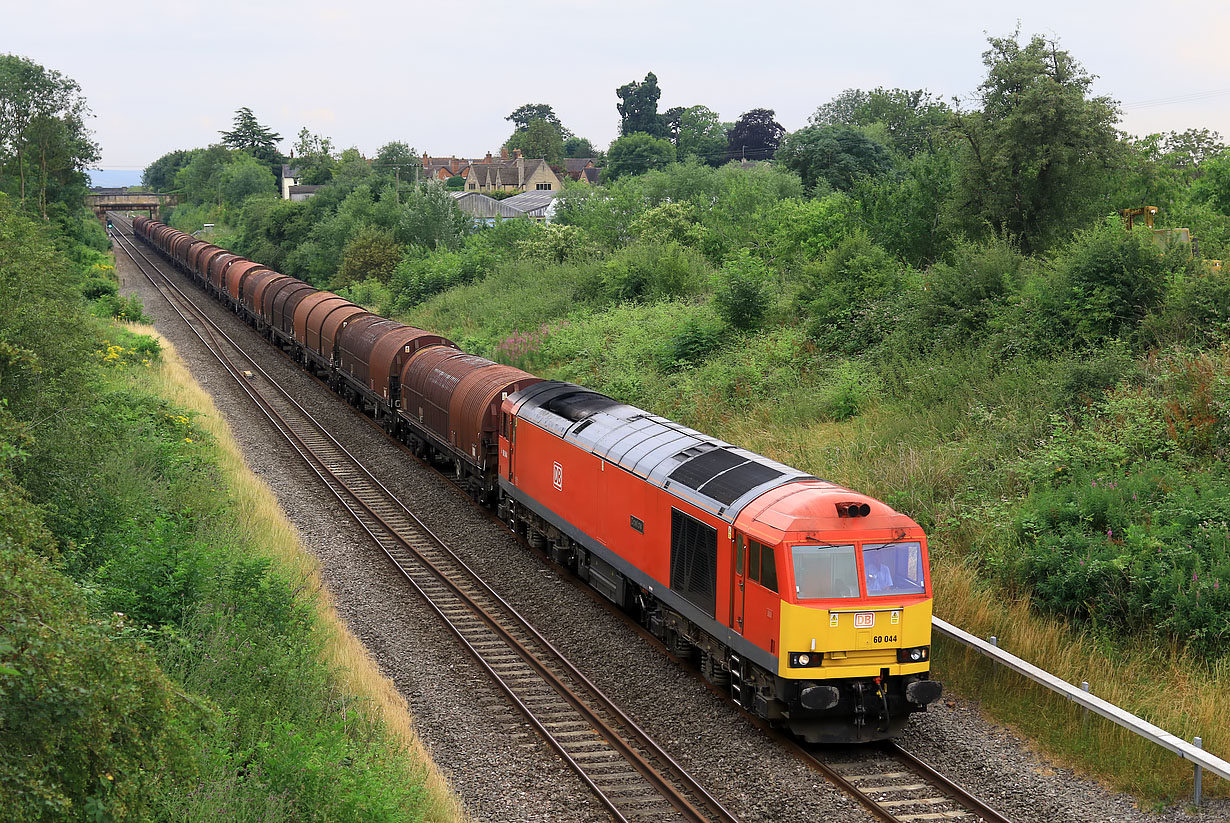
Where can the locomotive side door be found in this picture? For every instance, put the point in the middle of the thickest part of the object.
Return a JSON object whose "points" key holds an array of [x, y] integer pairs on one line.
{"points": [[511, 422], [738, 585]]}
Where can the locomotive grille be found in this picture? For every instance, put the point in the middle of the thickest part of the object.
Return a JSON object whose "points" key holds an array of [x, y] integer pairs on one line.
{"points": [[694, 561]]}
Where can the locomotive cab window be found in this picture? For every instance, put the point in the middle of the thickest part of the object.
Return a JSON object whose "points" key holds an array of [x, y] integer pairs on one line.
{"points": [[893, 568], [824, 572], [761, 565], [739, 554], [768, 568], [504, 425]]}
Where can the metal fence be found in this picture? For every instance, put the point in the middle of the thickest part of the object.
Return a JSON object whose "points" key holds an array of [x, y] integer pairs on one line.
{"points": [[1082, 697]]}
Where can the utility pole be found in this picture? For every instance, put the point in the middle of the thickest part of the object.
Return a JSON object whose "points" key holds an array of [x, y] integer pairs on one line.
{"points": [[397, 183]]}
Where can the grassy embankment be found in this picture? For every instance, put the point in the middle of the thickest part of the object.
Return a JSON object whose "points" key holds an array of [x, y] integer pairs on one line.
{"points": [[166, 652], [958, 440], [355, 677]]}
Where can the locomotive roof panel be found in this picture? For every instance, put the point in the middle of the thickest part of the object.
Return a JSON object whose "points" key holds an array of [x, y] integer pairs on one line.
{"points": [[708, 472]]}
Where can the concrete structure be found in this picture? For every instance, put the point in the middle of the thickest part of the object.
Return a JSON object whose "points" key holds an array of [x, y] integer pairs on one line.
{"points": [[102, 201]]}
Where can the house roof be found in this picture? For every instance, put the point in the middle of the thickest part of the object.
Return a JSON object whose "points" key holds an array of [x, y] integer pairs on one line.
{"points": [[592, 175], [574, 164], [287, 171]]}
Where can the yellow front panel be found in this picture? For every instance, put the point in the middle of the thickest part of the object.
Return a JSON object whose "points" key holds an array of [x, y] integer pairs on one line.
{"points": [[851, 651]]}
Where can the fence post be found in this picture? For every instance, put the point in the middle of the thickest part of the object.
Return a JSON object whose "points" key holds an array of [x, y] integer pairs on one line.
{"points": [[1085, 710], [994, 641], [1196, 790]]}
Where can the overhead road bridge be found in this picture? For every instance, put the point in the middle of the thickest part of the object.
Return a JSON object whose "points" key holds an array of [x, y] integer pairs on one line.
{"points": [[105, 200]]}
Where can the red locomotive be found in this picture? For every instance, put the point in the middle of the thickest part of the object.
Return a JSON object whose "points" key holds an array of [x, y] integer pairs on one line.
{"points": [[810, 602]]}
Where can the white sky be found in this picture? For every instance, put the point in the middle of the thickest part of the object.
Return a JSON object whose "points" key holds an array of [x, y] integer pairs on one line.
{"points": [[167, 74]]}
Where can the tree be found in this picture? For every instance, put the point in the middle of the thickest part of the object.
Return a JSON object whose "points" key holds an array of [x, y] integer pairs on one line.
{"points": [[1187, 151], [700, 134], [541, 139], [243, 177], [912, 121], [160, 175], [578, 147], [1039, 155], [522, 116], [637, 153], [315, 158], [42, 130], [836, 155], [396, 161], [201, 180], [248, 135], [1214, 185], [373, 252], [638, 108], [754, 136]]}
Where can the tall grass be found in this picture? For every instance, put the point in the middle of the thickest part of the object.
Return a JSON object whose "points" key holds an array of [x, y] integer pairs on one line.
{"points": [[261, 522]]}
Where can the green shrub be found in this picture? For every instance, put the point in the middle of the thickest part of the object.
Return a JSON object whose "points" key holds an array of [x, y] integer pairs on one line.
{"points": [[963, 295], [555, 243], [842, 293], [96, 287], [653, 271], [1196, 312], [741, 291], [420, 274], [127, 308], [847, 391], [696, 339]]}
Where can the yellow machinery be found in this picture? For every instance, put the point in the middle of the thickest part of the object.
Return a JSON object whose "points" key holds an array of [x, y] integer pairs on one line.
{"points": [[1165, 238]]}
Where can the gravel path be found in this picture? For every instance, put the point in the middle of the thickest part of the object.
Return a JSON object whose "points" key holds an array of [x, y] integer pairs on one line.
{"points": [[497, 765]]}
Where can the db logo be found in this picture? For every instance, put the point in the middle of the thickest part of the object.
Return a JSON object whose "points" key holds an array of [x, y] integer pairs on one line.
{"points": [[864, 620], [557, 476]]}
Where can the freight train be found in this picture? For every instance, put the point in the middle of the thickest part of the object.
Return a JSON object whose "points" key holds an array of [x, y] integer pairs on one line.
{"points": [[810, 603]]}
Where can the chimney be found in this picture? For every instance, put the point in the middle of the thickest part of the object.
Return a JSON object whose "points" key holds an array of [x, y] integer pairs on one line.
{"points": [[488, 160], [426, 161], [517, 153], [503, 152]]}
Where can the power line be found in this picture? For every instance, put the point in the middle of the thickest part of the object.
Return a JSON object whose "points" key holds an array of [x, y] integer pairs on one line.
{"points": [[1180, 98]]}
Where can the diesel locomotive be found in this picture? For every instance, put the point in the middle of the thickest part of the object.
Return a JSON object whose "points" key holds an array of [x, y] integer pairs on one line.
{"points": [[809, 602]]}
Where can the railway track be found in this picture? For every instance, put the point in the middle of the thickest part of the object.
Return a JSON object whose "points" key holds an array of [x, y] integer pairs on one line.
{"points": [[898, 787], [626, 770], [629, 774]]}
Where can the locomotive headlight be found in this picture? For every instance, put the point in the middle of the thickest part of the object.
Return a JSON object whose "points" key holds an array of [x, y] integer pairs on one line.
{"points": [[918, 654], [800, 660], [804, 659]]}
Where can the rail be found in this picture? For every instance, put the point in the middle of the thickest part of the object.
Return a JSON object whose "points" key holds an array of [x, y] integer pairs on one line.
{"points": [[1154, 734]]}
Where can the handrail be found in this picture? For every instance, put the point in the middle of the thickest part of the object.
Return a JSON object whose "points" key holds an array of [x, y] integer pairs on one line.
{"points": [[1093, 703]]}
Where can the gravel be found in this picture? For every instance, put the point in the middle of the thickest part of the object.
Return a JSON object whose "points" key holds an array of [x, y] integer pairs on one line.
{"points": [[497, 765]]}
